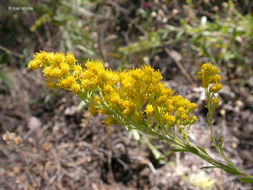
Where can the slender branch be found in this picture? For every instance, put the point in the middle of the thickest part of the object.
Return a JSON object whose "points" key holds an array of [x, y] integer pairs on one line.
{"points": [[181, 67], [11, 52]]}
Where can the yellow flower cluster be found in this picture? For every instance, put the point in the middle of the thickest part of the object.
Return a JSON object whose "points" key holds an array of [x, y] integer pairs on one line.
{"points": [[149, 109], [59, 70], [211, 81], [136, 94], [209, 75]]}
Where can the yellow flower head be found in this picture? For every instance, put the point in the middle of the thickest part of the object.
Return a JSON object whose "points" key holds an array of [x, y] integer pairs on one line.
{"points": [[128, 104], [58, 59], [170, 108], [115, 99], [170, 119], [211, 82], [33, 65], [51, 84], [41, 60], [67, 82], [216, 88], [75, 88], [93, 110], [55, 73], [209, 74], [108, 89], [193, 119], [161, 100], [181, 111], [70, 59], [216, 102], [64, 68], [78, 70], [109, 121], [149, 109], [193, 106], [103, 111]]}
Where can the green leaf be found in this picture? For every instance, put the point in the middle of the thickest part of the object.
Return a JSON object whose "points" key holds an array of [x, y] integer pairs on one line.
{"points": [[246, 180], [202, 149], [136, 135], [208, 167], [192, 149], [81, 105], [157, 154], [230, 171], [224, 30], [177, 150]]}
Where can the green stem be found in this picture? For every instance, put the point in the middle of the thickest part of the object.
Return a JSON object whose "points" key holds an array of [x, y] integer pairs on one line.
{"points": [[173, 139], [230, 167]]}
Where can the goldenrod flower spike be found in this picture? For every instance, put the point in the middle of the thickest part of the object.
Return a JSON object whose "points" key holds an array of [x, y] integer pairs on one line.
{"points": [[211, 82], [137, 99], [125, 92], [209, 74]]}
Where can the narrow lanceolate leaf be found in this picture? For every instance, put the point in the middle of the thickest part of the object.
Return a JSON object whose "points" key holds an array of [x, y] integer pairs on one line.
{"points": [[177, 150], [158, 155], [136, 135], [246, 180], [230, 171], [208, 167], [202, 149]]}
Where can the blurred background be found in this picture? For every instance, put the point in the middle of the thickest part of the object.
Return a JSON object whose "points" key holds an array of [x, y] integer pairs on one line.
{"points": [[66, 148]]}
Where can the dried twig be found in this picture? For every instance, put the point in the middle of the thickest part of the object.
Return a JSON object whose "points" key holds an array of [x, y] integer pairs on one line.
{"points": [[180, 66], [11, 52]]}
